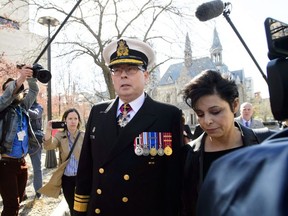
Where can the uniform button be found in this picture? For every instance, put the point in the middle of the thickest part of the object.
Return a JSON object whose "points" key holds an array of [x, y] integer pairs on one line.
{"points": [[124, 199], [97, 211], [99, 191], [126, 177], [101, 170]]}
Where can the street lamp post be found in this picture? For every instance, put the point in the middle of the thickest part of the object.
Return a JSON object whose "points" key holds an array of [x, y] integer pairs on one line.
{"points": [[48, 21]]}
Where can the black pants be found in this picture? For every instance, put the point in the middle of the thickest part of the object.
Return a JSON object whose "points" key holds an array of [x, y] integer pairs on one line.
{"points": [[13, 179], [68, 186]]}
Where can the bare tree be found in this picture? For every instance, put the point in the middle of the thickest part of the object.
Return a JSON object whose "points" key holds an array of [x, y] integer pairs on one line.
{"points": [[95, 23], [7, 69]]}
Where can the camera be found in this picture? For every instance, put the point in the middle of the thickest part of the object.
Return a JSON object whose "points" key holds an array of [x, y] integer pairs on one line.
{"points": [[43, 75], [58, 124], [277, 67], [277, 38]]}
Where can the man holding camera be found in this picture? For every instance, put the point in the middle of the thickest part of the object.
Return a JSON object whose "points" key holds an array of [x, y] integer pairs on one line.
{"points": [[16, 138]]}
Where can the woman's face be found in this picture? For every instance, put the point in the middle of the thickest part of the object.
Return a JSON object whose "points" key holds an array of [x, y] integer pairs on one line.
{"points": [[72, 121], [215, 116]]}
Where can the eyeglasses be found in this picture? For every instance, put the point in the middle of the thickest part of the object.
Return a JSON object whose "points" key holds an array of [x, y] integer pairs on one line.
{"points": [[130, 70]]}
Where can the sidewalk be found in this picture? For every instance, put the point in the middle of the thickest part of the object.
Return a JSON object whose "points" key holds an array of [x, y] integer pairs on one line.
{"points": [[62, 209], [45, 206]]}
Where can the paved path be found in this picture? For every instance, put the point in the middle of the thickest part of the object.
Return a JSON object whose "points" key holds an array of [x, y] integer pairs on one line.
{"points": [[62, 209]]}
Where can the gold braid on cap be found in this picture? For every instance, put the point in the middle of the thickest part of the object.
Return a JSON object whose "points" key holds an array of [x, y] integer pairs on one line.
{"points": [[125, 55]]}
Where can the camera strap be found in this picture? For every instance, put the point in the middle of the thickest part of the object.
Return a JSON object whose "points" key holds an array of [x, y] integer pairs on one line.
{"points": [[74, 144]]}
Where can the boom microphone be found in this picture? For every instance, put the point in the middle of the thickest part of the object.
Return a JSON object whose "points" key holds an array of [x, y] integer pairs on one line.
{"points": [[209, 10], [212, 9]]}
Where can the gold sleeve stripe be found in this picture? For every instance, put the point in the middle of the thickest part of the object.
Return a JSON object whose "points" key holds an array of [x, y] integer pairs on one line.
{"points": [[81, 196], [80, 207], [81, 200]]}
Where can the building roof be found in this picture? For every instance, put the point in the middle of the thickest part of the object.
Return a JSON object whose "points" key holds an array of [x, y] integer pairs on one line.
{"points": [[198, 65]]}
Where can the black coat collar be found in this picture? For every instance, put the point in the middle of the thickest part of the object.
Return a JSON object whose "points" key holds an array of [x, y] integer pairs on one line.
{"points": [[247, 134]]}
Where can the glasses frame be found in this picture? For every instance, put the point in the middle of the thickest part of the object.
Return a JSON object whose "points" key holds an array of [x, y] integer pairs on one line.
{"points": [[130, 70]]}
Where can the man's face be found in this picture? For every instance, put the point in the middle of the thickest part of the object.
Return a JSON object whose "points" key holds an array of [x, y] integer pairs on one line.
{"points": [[246, 112], [129, 81]]}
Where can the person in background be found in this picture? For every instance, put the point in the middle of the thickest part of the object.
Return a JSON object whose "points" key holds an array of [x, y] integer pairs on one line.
{"points": [[246, 119], [35, 113], [16, 137], [129, 163], [64, 141], [215, 100]]}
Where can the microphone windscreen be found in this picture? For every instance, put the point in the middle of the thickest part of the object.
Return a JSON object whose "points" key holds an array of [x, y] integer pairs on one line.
{"points": [[209, 10]]}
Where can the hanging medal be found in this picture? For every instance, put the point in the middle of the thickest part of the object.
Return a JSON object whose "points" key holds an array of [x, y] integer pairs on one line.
{"points": [[152, 138], [145, 144], [160, 150], [123, 119], [124, 116], [167, 142], [137, 146]]}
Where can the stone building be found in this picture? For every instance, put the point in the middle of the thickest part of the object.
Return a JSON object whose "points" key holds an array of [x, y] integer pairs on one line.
{"points": [[177, 75], [17, 43]]}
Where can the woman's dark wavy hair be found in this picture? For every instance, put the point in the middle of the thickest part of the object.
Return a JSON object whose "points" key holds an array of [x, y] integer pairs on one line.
{"points": [[65, 114], [210, 82]]}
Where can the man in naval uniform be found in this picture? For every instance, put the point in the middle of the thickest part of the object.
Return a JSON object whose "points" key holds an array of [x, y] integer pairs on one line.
{"points": [[130, 164]]}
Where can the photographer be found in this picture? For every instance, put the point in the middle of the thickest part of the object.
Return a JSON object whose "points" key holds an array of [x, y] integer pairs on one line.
{"points": [[69, 142], [16, 138]]}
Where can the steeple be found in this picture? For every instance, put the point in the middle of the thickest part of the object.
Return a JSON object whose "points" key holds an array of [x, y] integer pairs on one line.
{"points": [[216, 49], [188, 52]]}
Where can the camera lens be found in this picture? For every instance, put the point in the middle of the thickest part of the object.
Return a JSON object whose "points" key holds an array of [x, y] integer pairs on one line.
{"points": [[43, 76]]}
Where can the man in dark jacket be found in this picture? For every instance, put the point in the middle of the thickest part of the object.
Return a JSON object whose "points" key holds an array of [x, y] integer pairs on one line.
{"points": [[129, 163], [35, 113], [16, 138]]}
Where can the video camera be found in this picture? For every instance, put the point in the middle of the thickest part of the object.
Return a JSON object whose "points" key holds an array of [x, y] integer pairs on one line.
{"points": [[277, 67], [44, 76]]}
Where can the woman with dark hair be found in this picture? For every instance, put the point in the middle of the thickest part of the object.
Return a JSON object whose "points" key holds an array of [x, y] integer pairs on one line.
{"points": [[68, 140], [215, 100]]}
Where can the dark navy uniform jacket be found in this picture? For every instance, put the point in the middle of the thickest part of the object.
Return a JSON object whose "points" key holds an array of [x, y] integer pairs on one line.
{"points": [[113, 180]]}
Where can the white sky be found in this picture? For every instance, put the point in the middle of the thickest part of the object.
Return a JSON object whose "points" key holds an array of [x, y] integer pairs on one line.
{"points": [[248, 16]]}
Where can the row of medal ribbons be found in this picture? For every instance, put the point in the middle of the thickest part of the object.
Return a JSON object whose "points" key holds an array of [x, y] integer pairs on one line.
{"points": [[153, 143]]}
